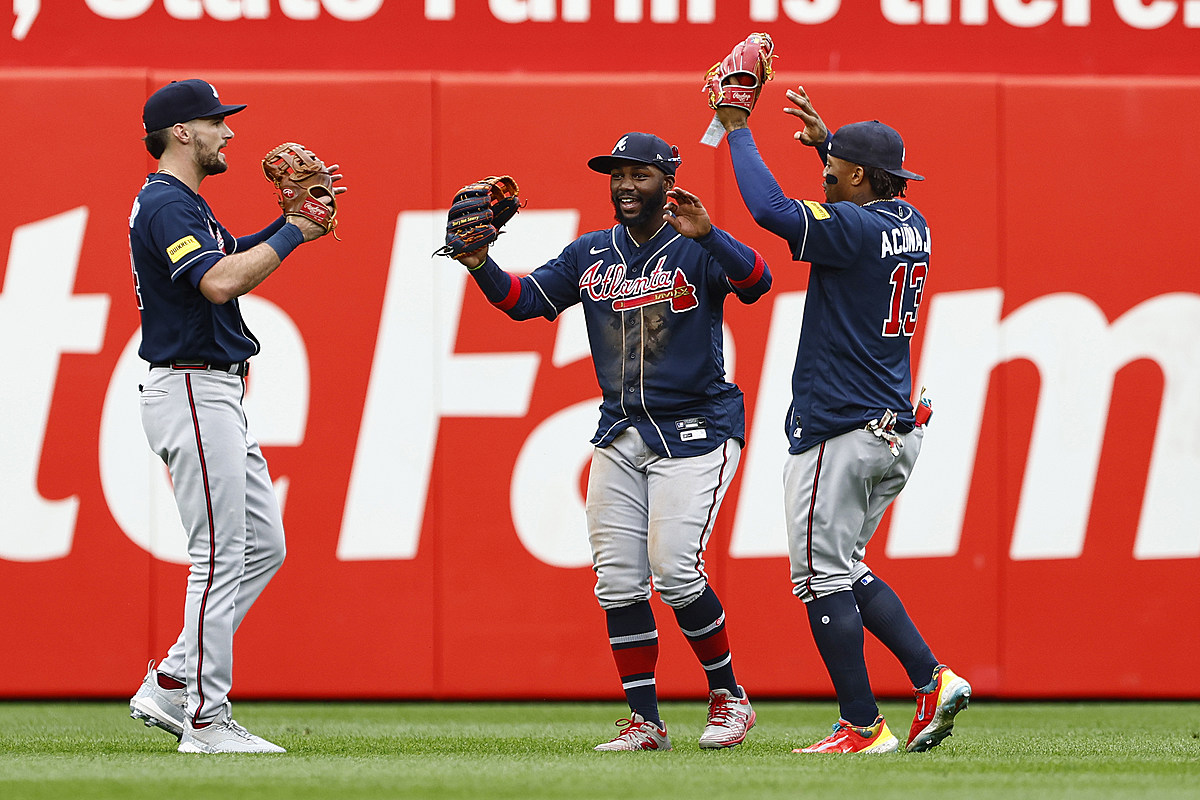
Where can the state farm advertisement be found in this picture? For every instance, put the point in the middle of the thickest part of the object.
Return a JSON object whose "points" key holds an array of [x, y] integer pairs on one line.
{"points": [[430, 453], [1080, 37]]}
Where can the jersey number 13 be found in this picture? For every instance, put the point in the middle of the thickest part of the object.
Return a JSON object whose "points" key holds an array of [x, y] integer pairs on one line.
{"points": [[908, 285]]}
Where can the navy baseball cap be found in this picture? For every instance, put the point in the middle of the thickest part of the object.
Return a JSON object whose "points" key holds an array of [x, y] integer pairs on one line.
{"points": [[640, 148], [871, 144], [181, 101]]}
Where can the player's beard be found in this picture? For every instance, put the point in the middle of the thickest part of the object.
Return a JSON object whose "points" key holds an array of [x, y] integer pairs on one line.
{"points": [[210, 161], [652, 208]]}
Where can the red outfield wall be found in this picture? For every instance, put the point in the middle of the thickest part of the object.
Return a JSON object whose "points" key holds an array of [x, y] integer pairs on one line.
{"points": [[1099, 37], [431, 453]]}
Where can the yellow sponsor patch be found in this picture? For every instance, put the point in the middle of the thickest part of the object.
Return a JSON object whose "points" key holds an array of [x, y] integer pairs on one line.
{"points": [[181, 248], [818, 210]]}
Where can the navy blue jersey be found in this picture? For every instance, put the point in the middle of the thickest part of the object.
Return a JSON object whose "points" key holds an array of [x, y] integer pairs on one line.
{"points": [[174, 239], [654, 314], [868, 269]]}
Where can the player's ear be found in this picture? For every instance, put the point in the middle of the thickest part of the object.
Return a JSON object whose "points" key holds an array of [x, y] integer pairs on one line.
{"points": [[668, 182]]}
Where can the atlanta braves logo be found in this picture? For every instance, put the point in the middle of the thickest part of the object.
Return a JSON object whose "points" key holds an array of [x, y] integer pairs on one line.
{"points": [[659, 286]]}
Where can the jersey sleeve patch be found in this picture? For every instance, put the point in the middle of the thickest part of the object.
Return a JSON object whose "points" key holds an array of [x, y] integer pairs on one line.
{"points": [[181, 248], [819, 211]]}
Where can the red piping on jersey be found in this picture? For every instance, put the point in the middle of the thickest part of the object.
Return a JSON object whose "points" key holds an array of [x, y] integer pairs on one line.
{"points": [[712, 505], [212, 548], [514, 294], [755, 275], [812, 504]]}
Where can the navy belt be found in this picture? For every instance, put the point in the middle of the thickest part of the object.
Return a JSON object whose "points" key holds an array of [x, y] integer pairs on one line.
{"points": [[239, 368]]}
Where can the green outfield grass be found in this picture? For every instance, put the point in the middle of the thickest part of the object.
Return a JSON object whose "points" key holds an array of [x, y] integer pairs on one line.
{"points": [[526, 751]]}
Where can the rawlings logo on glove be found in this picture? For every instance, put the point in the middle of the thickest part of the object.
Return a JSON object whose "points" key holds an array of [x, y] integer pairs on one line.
{"points": [[738, 79], [304, 183], [478, 213]]}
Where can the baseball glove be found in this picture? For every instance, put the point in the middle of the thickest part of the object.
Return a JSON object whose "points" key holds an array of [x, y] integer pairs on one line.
{"points": [[478, 213], [738, 79], [304, 183]]}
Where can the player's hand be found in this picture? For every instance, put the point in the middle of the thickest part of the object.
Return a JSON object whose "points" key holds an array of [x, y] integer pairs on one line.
{"points": [[473, 259], [686, 214], [733, 117], [310, 229], [814, 132], [336, 176]]}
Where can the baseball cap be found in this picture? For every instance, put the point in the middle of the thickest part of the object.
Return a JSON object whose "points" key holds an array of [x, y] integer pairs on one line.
{"points": [[181, 101], [640, 148], [871, 144]]}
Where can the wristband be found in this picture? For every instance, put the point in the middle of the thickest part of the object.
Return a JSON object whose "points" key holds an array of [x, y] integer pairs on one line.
{"points": [[285, 240]]}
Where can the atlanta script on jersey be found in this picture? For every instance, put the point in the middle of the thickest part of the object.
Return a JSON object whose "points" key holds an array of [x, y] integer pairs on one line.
{"points": [[653, 315]]}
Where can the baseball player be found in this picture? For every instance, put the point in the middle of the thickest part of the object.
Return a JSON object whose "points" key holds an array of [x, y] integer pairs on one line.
{"points": [[852, 429], [671, 427], [188, 273]]}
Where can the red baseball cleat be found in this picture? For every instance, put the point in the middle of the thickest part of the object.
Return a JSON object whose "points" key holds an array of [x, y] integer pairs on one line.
{"points": [[936, 709], [847, 738]]}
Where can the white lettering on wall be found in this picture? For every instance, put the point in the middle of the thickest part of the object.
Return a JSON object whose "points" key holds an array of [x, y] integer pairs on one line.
{"points": [[418, 378], [40, 319], [389, 479], [25, 11], [1138, 14], [1018, 13], [230, 10], [1146, 16], [119, 9], [805, 12], [547, 505], [1077, 353], [956, 363]]}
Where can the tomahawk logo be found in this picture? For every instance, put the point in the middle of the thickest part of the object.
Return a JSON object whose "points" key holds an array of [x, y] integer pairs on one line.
{"points": [[681, 296], [661, 285]]}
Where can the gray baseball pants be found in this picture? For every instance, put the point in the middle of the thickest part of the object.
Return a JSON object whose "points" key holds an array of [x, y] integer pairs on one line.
{"points": [[834, 496], [194, 421], [650, 516]]}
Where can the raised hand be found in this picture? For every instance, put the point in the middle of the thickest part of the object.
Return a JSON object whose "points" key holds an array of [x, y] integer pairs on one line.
{"points": [[686, 214]]}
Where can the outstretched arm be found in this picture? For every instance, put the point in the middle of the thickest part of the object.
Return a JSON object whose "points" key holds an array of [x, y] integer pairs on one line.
{"points": [[543, 293], [761, 193], [501, 288]]}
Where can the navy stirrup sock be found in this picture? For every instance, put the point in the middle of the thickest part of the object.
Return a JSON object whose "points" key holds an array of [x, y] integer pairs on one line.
{"points": [[837, 630], [884, 616]]}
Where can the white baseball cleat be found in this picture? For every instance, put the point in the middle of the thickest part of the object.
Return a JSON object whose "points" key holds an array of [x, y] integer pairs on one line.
{"points": [[224, 735], [638, 734], [159, 707], [729, 719]]}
